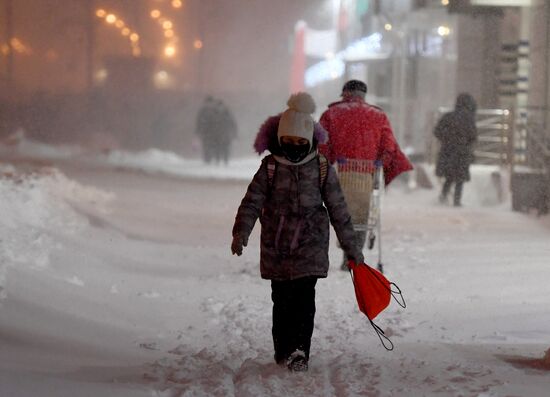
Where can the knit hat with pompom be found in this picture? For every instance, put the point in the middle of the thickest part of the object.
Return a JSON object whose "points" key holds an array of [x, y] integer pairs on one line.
{"points": [[297, 119]]}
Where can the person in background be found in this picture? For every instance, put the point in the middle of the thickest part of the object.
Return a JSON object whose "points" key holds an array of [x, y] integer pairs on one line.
{"points": [[457, 134], [216, 128], [360, 131], [294, 193]]}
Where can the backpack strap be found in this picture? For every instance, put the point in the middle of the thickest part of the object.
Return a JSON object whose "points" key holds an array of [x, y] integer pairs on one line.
{"points": [[323, 171]]}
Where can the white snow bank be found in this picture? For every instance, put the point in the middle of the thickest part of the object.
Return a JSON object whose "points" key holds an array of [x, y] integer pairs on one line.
{"points": [[150, 161], [489, 185], [34, 205], [155, 160], [18, 144]]}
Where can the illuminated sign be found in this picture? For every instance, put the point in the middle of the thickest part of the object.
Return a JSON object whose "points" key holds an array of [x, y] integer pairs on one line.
{"points": [[323, 71], [370, 47], [501, 3]]}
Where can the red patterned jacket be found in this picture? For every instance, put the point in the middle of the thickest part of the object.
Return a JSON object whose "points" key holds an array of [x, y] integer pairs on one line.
{"points": [[358, 130]]}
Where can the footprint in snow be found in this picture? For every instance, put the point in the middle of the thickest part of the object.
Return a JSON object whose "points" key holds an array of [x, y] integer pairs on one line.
{"points": [[149, 346]]}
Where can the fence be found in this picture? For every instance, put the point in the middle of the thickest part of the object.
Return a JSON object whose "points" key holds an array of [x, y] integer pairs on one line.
{"points": [[495, 131]]}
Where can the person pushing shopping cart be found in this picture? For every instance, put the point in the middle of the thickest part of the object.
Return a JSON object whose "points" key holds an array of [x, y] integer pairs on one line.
{"points": [[367, 157]]}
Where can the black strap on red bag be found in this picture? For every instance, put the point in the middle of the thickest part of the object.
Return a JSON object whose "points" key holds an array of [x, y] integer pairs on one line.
{"points": [[396, 294]]}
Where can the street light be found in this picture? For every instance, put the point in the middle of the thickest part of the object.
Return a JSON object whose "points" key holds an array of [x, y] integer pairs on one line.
{"points": [[169, 51], [443, 31]]}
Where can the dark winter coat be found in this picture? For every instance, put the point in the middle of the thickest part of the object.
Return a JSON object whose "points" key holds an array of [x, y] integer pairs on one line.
{"points": [[294, 214], [215, 124], [457, 133]]}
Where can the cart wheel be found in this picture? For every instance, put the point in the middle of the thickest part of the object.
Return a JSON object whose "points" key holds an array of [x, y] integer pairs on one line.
{"points": [[380, 268], [372, 238]]}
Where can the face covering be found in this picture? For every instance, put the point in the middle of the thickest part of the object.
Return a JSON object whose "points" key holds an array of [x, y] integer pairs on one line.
{"points": [[295, 153]]}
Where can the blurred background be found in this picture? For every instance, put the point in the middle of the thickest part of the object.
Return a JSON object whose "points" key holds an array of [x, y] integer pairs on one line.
{"points": [[133, 73]]}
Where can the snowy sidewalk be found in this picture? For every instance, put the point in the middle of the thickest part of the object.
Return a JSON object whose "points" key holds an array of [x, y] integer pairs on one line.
{"points": [[127, 288]]}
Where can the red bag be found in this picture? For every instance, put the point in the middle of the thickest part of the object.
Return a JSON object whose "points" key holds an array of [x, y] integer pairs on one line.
{"points": [[374, 292]]}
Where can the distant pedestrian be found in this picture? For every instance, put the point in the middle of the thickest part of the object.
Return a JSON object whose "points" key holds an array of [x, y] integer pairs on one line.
{"points": [[457, 133], [295, 193], [216, 128], [358, 130]]}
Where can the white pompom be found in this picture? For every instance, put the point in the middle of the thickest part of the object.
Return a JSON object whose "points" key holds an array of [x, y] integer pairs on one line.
{"points": [[301, 102]]}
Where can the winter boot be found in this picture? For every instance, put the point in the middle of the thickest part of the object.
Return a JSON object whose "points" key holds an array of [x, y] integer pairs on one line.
{"points": [[297, 362]]}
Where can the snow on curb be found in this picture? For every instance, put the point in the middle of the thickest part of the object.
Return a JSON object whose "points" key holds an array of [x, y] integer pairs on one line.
{"points": [[158, 161], [33, 207]]}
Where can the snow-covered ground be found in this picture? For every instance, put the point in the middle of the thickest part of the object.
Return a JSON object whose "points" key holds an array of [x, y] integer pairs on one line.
{"points": [[115, 282]]}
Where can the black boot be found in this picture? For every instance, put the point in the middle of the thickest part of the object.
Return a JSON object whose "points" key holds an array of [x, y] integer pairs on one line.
{"points": [[297, 362]]}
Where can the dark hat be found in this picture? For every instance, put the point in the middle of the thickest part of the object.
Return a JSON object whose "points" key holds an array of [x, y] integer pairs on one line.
{"points": [[465, 101], [355, 85]]}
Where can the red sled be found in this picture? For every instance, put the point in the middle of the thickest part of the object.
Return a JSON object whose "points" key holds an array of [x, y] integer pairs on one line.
{"points": [[374, 292]]}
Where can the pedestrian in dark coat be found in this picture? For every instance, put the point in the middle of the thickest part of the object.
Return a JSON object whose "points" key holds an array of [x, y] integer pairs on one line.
{"points": [[294, 203], [457, 133], [217, 128]]}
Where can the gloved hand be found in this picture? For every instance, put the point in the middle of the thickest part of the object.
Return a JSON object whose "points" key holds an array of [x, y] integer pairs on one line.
{"points": [[237, 244], [357, 257]]}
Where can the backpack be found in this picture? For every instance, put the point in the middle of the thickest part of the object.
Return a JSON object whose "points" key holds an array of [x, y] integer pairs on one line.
{"points": [[323, 170]]}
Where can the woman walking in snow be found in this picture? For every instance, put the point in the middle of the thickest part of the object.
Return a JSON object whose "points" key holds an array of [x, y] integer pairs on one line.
{"points": [[291, 193], [457, 133]]}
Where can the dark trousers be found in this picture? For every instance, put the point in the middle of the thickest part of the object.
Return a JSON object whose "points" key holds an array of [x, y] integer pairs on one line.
{"points": [[458, 190], [293, 316]]}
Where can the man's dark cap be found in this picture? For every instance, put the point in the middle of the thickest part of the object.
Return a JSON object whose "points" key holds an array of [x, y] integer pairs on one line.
{"points": [[355, 85]]}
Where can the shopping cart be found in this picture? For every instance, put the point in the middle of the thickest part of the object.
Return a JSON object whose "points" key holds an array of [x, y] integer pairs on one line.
{"points": [[362, 182]]}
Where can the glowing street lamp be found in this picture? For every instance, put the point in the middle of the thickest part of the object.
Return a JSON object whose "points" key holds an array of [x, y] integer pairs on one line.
{"points": [[155, 14], [125, 31], [176, 3], [197, 44], [169, 51], [443, 31]]}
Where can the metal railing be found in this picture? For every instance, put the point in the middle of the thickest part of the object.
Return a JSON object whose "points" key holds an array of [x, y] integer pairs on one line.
{"points": [[532, 140], [494, 136], [530, 182]]}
